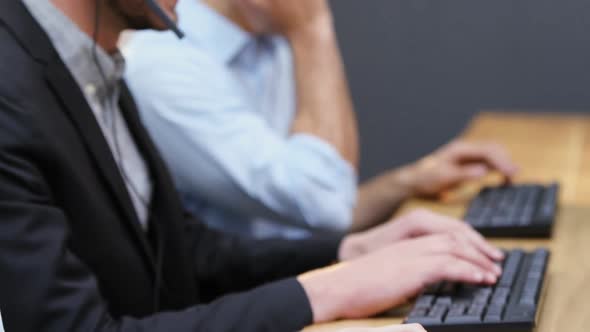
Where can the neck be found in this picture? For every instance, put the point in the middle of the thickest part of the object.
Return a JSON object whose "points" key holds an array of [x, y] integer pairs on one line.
{"points": [[83, 13], [229, 10]]}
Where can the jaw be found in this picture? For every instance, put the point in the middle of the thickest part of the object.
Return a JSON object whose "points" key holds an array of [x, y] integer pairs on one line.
{"points": [[242, 14], [137, 15]]}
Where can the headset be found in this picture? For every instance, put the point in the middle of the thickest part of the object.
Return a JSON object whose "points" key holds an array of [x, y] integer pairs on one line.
{"points": [[164, 17]]}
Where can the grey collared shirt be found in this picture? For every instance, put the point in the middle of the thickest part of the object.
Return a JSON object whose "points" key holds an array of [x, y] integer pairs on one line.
{"points": [[101, 87]]}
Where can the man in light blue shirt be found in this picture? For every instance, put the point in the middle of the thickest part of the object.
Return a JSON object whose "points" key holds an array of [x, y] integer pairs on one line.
{"points": [[262, 106]]}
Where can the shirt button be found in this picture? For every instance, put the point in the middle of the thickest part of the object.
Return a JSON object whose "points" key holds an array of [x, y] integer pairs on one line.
{"points": [[90, 89]]}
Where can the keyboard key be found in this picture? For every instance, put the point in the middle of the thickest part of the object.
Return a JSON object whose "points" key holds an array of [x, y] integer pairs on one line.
{"points": [[495, 309], [530, 292], [473, 315], [476, 309], [500, 221], [548, 204], [435, 315], [510, 268], [521, 313], [482, 296], [463, 319], [494, 313], [540, 255], [418, 312], [444, 300], [425, 301], [500, 296], [457, 309]]}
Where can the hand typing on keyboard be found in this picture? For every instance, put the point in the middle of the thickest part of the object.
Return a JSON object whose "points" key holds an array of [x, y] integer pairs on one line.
{"points": [[455, 163], [392, 274]]}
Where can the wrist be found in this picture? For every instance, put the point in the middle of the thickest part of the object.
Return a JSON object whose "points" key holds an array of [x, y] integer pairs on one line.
{"points": [[405, 181], [324, 291], [314, 33]]}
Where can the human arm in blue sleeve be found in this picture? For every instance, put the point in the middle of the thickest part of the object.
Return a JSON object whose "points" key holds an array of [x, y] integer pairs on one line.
{"points": [[197, 115]]}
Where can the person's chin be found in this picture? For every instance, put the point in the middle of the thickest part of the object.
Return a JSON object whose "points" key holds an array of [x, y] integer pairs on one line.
{"points": [[170, 9], [156, 23]]}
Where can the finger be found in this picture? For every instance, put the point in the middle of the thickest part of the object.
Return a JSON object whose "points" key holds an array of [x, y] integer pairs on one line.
{"points": [[481, 243], [492, 154], [454, 244], [462, 247], [451, 268], [457, 173], [449, 224], [424, 222]]}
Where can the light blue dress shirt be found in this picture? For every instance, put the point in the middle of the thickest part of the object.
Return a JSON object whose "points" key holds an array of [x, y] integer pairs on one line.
{"points": [[220, 105]]}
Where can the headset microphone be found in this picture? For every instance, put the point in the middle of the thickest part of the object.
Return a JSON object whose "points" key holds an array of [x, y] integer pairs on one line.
{"points": [[165, 18]]}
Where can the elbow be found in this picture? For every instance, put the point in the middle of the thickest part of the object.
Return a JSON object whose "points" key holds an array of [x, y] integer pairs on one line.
{"points": [[327, 211], [321, 205]]}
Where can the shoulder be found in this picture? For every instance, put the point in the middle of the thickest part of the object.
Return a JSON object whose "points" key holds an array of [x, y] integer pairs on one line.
{"points": [[159, 65], [19, 72], [27, 104], [22, 83], [158, 53]]}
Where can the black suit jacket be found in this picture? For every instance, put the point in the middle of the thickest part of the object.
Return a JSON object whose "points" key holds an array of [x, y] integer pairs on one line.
{"points": [[72, 254]]}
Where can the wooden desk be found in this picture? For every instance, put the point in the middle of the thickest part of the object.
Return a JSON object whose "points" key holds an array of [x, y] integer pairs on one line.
{"points": [[548, 147]]}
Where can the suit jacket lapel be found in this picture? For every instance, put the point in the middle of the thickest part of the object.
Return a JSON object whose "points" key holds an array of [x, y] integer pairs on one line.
{"points": [[164, 190], [167, 212], [76, 106]]}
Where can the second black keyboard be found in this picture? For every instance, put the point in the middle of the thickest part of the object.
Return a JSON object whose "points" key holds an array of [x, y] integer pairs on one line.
{"points": [[525, 210], [509, 306]]}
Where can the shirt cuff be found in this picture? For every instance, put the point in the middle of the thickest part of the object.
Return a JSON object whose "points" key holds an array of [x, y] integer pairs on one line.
{"points": [[286, 305], [321, 249]]}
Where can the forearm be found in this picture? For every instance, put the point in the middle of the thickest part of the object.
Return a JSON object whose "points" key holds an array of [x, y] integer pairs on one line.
{"points": [[347, 291], [325, 107], [227, 264], [381, 196], [327, 298]]}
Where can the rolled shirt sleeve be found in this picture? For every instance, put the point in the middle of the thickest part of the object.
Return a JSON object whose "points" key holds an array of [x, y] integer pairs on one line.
{"points": [[223, 152]]}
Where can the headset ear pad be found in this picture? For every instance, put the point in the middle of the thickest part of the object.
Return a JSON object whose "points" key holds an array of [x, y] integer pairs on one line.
{"points": [[164, 17]]}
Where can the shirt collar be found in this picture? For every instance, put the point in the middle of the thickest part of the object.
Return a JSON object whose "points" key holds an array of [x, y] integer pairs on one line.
{"points": [[76, 49], [203, 25]]}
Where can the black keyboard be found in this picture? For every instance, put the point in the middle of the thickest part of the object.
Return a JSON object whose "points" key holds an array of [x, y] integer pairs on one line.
{"points": [[525, 210], [509, 306]]}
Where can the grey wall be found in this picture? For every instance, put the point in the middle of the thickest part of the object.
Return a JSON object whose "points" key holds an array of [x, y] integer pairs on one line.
{"points": [[419, 69]]}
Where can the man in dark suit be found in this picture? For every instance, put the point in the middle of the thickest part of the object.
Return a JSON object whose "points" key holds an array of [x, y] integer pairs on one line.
{"points": [[92, 234]]}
